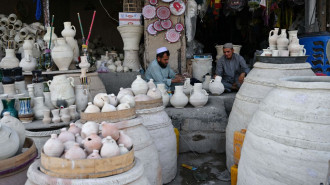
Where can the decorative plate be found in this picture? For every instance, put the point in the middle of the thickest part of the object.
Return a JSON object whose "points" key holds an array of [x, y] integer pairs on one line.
{"points": [[172, 36], [177, 7], [179, 27], [163, 12], [167, 1], [149, 12], [153, 2], [151, 29], [157, 26], [166, 24]]}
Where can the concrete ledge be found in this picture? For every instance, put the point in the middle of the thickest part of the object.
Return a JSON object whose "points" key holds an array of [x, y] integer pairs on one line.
{"points": [[202, 130], [114, 81]]}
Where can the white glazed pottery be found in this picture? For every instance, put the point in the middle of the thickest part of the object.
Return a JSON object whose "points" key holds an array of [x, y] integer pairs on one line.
{"points": [[199, 96], [179, 99], [282, 41], [272, 39], [165, 96], [92, 108], [61, 88], [28, 63], [53, 147], [187, 87], [15, 124], [46, 37], [39, 108], [206, 82], [139, 86], [10, 60], [215, 86]]}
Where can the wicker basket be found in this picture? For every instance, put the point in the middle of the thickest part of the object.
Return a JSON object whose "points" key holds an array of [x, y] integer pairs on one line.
{"points": [[134, 6], [114, 116], [86, 168]]}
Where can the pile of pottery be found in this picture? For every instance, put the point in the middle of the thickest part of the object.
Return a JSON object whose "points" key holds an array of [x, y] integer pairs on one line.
{"points": [[12, 136], [280, 45], [107, 63], [13, 29], [88, 142]]}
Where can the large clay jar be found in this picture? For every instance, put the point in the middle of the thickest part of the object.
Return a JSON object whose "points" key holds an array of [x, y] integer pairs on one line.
{"points": [[10, 60], [62, 54], [92, 108], [215, 86], [47, 37], [53, 146], [39, 107], [92, 142], [125, 140], [161, 130], [15, 124], [9, 142], [139, 86], [282, 41], [61, 88], [272, 39], [179, 99], [289, 133], [144, 148], [109, 148], [165, 96], [260, 80], [199, 96], [131, 35]]}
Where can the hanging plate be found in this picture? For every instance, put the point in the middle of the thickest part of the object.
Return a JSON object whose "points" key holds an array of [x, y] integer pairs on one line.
{"points": [[179, 27], [157, 26], [163, 12], [151, 29], [166, 24], [153, 2], [177, 7], [172, 36], [167, 1], [149, 12]]}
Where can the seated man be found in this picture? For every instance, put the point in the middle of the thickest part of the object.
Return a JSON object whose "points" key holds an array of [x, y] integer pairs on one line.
{"points": [[159, 70], [232, 68]]}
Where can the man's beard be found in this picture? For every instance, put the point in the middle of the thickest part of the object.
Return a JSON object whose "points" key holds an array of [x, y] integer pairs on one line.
{"points": [[162, 65]]}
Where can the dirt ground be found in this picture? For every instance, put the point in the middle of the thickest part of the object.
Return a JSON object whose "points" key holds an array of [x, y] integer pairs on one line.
{"points": [[208, 166]]}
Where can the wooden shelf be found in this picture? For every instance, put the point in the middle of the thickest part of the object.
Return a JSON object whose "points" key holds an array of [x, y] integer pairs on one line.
{"points": [[54, 72]]}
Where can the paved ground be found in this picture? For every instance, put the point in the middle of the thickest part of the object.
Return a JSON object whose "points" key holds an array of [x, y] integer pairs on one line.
{"points": [[209, 167]]}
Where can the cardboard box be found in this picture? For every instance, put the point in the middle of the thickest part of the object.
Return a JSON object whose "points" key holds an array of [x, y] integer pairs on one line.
{"points": [[129, 18]]}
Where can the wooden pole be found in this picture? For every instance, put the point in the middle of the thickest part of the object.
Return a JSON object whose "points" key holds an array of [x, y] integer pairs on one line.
{"points": [[321, 9]]}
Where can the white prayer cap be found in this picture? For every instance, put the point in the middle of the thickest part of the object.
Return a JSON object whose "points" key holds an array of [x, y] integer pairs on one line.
{"points": [[228, 45], [161, 50]]}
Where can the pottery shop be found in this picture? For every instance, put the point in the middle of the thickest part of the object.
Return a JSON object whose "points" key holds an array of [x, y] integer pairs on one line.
{"points": [[151, 92]]}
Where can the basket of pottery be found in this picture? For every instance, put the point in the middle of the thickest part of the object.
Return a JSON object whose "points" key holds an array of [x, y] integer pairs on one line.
{"points": [[87, 152]]}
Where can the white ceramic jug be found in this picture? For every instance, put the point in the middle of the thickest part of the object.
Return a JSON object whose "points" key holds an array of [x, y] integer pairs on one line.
{"points": [[179, 99], [61, 88], [199, 96], [215, 86]]}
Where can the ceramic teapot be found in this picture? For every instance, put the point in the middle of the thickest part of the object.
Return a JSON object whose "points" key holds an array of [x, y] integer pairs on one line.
{"points": [[61, 88]]}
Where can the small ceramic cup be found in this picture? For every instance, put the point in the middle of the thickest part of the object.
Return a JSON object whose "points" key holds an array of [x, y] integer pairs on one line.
{"points": [[275, 53]]}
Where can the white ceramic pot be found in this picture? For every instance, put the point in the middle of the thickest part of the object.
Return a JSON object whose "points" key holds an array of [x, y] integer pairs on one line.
{"points": [[81, 94], [39, 107], [10, 60], [20, 88], [128, 99], [144, 148], [28, 44], [53, 146], [282, 41], [289, 133], [62, 54], [61, 88], [258, 83], [92, 108], [154, 93], [69, 30], [294, 46], [272, 39], [179, 99], [151, 84], [100, 99], [9, 142], [74, 46], [199, 96], [131, 35], [9, 89], [48, 101], [215, 86], [201, 66], [219, 49], [206, 82], [292, 34], [28, 63], [47, 37], [165, 96], [139, 86], [15, 124], [187, 87]]}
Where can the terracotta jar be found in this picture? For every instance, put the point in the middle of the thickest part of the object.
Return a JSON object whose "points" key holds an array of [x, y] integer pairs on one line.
{"points": [[92, 142], [125, 140], [74, 129], [139, 86], [179, 99], [53, 147], [62, 54]]}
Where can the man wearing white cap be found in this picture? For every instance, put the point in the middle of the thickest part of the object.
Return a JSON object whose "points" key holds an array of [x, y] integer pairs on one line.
{"points": [[232, 67], [159, 70]]}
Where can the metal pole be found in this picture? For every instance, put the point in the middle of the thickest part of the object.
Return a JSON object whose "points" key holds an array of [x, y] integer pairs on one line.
{"points": [[310, 12]]}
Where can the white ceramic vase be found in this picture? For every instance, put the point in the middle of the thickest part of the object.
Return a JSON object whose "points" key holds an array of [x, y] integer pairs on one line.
{"points": [[139, 86], [81, 95], [10, 60], [39, 107], [199, 96], [282, 41], [179, 99], [62, 54], [28, 63], [215, 86], [47, 37], [272, 39]]}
